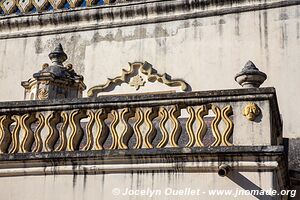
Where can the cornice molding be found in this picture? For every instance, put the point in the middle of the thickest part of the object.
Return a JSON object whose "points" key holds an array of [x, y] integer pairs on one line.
{"points": [[204, 159], [125, 14]]}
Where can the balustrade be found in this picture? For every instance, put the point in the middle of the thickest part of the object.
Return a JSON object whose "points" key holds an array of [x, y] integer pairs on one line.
{"points": [[132, 122]]}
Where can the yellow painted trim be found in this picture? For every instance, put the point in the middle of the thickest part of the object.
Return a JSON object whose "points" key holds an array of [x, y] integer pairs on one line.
{"points": [[102, 132], [174, 113], [214, 126], [189, 127], [202, 129], [226, 112], [137, 131], [150, 114], [162, 125]]}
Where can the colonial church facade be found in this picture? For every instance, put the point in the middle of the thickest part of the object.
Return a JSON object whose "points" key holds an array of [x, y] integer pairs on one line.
{"points": [[149, 99]]}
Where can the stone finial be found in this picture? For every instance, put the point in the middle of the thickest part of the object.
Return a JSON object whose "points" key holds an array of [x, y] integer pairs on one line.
{"points": [[58, 56], [54, 81], [250, 76]]}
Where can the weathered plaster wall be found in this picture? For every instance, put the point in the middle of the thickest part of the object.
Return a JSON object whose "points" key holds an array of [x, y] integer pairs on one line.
{"points": [[107, 186], [205, 52]]}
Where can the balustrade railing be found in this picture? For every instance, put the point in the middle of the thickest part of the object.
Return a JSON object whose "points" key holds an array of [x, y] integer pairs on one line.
{"points": [[192, 119]]}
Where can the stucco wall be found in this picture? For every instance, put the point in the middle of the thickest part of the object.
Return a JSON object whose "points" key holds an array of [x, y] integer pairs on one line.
{"points": [[122, 186], [206, 52]]}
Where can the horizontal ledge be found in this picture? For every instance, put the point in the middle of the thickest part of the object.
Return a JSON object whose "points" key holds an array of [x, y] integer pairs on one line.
{"points": [[126, 15], [206, 159], [190, 167], [135, 154], [139, 99]]}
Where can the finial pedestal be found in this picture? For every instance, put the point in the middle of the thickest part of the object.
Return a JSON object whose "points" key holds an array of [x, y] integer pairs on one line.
{"points": [[55, 81]]}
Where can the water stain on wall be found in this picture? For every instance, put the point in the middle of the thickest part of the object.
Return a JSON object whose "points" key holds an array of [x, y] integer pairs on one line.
{"points": [[266, 36], [283, 35], [3, 71], [298, 30], [237, 24]]}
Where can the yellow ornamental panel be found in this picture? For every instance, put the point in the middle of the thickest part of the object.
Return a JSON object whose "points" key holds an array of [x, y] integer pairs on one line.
{"points": [[90, 3], [57, 4], [74, 3], [8, 6], [40, 5], [24, 5]]}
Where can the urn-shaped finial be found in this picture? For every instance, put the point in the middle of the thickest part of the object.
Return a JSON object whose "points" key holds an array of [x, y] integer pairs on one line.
{"points": [[58, 56], [250, 76], [54, 81]]}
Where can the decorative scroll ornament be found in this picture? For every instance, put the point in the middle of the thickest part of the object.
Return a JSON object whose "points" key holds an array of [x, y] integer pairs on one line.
{"points": [[42, 94], [134, 74], [251, 111]]}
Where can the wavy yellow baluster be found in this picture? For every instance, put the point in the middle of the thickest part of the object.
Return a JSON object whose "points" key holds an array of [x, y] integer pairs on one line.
{"points": [[189, 127], [28, 137], [63, 132], [202, 111], [76, 130], [5, 135], [215, 124], [150, 114], [164, 113], [102, 132], [174, 113], [226, 112], [51, 121], [37, 134], [127, 131], [113, 128], [15, 135], [137, 131], [89, 131]]}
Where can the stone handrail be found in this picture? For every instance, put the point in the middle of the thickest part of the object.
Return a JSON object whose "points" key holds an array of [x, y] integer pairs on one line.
{"points": [[238, 117]]}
